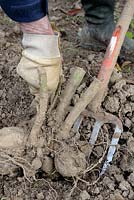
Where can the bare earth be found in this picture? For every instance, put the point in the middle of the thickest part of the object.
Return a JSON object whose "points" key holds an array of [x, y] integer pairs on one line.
{"points": [[15, 110]]}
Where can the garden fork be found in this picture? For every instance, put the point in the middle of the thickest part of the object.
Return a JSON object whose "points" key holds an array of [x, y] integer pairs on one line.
{"points": [[104, 75]]}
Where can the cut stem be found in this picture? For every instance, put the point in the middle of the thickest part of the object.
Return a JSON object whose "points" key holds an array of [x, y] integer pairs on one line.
{"points": [[70, 89], [80, 106], [41, 113]]}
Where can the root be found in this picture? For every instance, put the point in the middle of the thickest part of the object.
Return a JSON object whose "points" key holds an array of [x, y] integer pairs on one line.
{"points": [[89, 169], [80, 106], [55, 196], [74, 81], [41, 113], [69, 160], [55, 97], [27, 168], [87, 183], [73, 189]]}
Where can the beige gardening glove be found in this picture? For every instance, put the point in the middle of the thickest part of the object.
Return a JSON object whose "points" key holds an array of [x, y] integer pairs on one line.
{"points": [[40, 51]]}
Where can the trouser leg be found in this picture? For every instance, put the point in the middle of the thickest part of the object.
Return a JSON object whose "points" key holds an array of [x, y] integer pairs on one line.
{"points": [[99, 16], [97, 31], [98, 11]]}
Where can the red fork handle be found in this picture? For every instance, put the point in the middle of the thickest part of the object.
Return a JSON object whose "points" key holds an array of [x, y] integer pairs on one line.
{"points": [[112, 53], [107, 65], [116, 42]]}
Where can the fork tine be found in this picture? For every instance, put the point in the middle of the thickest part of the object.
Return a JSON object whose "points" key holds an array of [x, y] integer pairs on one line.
{"points": [[95, 132], [102, 118], [77, 123], [112, 149]]}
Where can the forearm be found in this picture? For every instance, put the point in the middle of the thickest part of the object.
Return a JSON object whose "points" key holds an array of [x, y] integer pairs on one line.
{"points": [[40, 43], [32, 15]]}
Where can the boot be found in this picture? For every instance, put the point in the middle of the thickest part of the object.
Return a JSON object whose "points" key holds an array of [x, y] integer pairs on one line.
{"points": [[97, 31]]}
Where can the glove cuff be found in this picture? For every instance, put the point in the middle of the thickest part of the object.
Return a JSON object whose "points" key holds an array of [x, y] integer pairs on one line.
{"points": [[40, 47]]}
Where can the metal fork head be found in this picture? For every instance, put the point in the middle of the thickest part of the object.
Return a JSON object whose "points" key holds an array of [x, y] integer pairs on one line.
{"points": [[101, 119]]}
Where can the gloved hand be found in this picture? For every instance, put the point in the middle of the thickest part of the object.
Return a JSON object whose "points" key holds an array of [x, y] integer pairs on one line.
{"points": [[40, 51]]}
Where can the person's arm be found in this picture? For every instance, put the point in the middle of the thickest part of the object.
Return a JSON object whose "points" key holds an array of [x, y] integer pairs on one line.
{"points": [[40, 42], [25, 10]]}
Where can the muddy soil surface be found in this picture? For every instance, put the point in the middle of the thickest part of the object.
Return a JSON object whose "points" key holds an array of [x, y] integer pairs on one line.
{"points": [[15, 110]]}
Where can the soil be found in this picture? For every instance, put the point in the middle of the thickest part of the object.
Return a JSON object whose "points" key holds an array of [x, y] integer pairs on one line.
{"points": [[16, 110]]}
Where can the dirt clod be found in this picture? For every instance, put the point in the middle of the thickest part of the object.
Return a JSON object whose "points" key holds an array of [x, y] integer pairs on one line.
{"points": [[36, 163], [40, 196], [127, 122], [124, 186], [130, 144], [48, 164], [84, 195], [131, 179], [116, 76], [2, 34], [112, 104], [118, 196], [109, 183]]}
